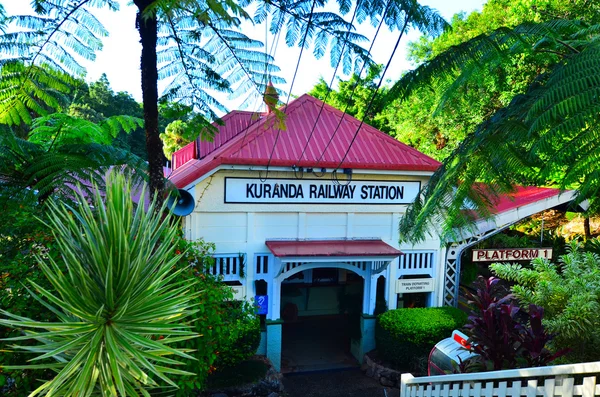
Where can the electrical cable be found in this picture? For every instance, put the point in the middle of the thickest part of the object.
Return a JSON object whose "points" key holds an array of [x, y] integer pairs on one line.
{"points": [[376, 90], [251, 123], [274, 49], [354, 88], [290, 91], [329, 89]]}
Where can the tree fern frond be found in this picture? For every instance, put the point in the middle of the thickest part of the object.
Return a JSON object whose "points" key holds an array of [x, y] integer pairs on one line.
{"points": [[547, 135]]}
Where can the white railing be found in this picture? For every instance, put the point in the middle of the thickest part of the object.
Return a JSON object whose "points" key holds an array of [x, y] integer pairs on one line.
{"points": [[560, 380], [416, 263], [228, 266]]}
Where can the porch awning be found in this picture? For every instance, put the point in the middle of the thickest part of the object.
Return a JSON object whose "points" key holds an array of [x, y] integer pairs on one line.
{"points": [[331, 248]]}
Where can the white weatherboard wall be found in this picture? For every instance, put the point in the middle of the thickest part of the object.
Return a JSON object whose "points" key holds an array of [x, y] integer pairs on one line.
{"points": [[243, 229]]}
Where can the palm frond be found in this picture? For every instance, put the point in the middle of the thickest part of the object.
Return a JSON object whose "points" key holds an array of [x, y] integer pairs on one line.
{"points": [[55, 161]]}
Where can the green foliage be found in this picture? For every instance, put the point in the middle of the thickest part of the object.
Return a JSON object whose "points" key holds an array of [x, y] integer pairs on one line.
{"points": [[353, 95], [36, 72], [61, 129], [23, 237], [435, 123], [54, 166], [242, 335], [96, 101], [406, 334], [229, 331], [569, 292], [542, 136], [116, 294], [175, 137]]}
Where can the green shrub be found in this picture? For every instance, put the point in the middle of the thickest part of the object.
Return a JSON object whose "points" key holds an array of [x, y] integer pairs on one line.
{"points": [[23, 236], [242, 336], [229, 332], [403, 335]]}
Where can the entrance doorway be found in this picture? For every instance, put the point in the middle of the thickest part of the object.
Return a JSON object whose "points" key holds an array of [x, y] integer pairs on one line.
{"points": [[320, 309]]}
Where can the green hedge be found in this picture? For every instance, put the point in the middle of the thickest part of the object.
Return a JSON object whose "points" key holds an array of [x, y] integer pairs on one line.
{"points": [[406, 334]]}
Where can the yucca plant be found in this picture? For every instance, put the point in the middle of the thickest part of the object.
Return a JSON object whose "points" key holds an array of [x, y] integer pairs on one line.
{"points": [[119, 307]]}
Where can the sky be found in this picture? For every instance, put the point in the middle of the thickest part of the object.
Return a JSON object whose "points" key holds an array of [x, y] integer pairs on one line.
{"points": [[120, 57]]}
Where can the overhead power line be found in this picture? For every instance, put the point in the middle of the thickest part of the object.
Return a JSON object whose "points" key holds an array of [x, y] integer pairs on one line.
{"points": [[375, 92], [329, 89], [291, 87], [354, 88]]}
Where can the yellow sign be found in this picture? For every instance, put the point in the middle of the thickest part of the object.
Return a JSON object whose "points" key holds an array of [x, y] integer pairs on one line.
{"points": [[511, 254]]}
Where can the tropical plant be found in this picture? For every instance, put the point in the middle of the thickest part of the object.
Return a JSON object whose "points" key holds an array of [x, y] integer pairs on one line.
{"points": [[436, 130], [96, 101], [353, 95], [569, 292], [242, 335], [176, 136], [198, 45], [23, 236], [229, 330], [544, 135], [119, 310], [63, 152], [502, 334]]}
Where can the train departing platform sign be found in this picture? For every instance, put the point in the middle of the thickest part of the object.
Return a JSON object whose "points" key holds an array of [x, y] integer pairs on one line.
{"points": [[511, 254]]}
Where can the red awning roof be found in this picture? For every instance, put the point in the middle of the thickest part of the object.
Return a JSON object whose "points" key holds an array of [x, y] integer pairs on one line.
{"points": [[522, 195], [253, 141], [311, 248]]}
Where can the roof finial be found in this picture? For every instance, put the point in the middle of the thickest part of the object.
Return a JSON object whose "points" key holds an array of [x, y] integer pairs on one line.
{"points": [[270, 97]]}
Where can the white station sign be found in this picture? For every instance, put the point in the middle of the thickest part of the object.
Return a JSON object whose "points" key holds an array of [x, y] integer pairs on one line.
{"points": [[511, 254], [412, 285], [319, 191]]}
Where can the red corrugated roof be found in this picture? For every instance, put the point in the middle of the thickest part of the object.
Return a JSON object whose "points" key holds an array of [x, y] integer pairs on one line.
{"points": [[183, 155], [253, 144], [233, 123], [523, 195], [331, 248]]}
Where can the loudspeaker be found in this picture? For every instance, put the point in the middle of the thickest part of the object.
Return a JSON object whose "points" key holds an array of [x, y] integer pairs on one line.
{"points": [[181, 202]]}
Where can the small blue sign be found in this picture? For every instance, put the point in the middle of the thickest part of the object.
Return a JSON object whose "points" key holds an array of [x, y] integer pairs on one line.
{"points": [[262, 302]]}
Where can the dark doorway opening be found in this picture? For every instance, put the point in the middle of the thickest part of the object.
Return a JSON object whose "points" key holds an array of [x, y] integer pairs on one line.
{"points": [[321, 311]]}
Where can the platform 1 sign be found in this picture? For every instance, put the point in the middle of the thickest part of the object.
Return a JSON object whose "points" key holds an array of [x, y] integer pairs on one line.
{"points": [[319, 191], [511, 254], [412, 285]]}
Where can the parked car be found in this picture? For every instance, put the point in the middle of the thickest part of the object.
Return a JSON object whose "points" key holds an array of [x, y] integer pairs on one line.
{"points": [[448, 353]]}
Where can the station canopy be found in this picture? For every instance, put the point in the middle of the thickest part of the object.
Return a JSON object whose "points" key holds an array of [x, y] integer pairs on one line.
{"points": [[331, 248]]}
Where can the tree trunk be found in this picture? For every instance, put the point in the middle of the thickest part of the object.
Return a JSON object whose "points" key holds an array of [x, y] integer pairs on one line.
{"points": [[147, 26], [586, 228]]}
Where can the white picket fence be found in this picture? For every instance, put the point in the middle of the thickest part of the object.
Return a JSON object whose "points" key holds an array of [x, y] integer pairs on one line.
{"points": [[559, 380]]}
